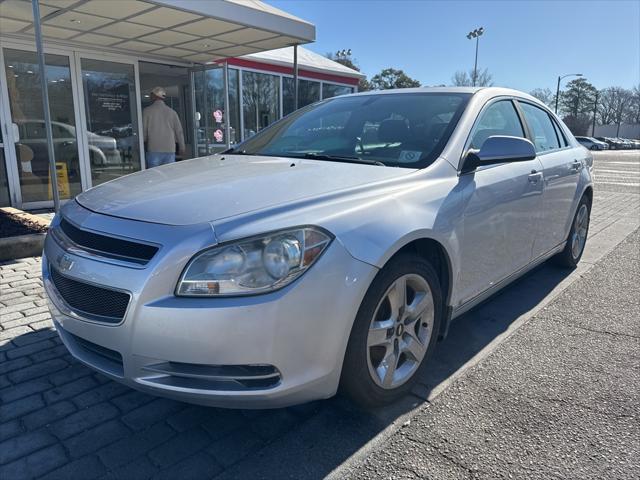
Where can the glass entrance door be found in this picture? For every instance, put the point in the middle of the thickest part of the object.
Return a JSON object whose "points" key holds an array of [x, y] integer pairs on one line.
{"points": [[28, 132], [111, 115], [176, 82]]}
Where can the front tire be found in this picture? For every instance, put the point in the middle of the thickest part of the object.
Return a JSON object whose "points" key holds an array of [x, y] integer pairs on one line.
{"points": [[394, 332], [577, 239]]}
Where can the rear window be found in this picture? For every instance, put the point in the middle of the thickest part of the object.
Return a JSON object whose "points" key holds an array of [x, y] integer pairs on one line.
{"points": [[542, 128]]}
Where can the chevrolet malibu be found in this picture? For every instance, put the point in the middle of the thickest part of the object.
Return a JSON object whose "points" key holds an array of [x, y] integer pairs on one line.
{"points": [[331, 250]]}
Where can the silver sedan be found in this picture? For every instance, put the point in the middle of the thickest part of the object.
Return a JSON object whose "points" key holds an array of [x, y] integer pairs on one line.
{"points": [[331, 250]]}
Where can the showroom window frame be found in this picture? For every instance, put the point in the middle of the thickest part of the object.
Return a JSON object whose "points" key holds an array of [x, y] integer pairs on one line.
{"points": [[74, 54], [266, 71]]}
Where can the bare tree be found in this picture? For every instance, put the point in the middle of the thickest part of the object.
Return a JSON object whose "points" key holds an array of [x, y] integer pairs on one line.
{"points": [[633, 114], [614, 105], [545, 95], [464, 79]]}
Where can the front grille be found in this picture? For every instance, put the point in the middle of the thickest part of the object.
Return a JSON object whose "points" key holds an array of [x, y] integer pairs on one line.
{"points": [[109, 246], [96, 303]]}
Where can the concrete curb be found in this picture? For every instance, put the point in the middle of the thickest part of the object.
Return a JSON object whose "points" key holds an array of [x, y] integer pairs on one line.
{"points": [[23, 245]]}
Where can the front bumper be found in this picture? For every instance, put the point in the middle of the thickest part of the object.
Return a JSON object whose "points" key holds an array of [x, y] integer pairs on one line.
{"points": [[291, 342]]}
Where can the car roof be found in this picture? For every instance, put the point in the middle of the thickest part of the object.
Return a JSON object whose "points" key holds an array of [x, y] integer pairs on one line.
{"points": [[488, 92]]}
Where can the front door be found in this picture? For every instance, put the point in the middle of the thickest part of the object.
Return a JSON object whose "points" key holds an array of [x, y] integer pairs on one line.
{"points": [[25, 132], [502, 204]]}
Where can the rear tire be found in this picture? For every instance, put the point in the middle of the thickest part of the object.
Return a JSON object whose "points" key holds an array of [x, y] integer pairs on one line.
{"points": [[573, 250], [394, 332]]}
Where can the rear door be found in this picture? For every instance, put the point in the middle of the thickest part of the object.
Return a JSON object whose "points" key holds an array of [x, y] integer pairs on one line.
{"points": [[561, 169]]}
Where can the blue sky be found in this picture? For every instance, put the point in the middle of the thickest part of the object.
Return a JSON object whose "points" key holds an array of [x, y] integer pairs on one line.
{"points": [[526, 44]]}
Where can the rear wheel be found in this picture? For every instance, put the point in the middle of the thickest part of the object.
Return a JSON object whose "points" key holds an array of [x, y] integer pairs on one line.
{"points": [[577, 240], [394, 332]]}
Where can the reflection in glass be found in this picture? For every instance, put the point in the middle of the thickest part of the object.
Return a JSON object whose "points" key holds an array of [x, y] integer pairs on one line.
{"points": [[332, 90], [210, 116], [112, 122], [308, 92], [261, 100], [25, 98]]}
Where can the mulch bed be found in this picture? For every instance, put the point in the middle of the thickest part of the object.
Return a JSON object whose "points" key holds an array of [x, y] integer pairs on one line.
{"points": [[13, 225]]}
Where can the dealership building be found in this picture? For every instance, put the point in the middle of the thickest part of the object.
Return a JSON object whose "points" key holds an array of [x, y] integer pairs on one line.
{"points": [[229, 69]]}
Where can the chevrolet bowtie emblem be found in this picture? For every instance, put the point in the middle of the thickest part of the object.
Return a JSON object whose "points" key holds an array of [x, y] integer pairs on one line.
{"points": [[65, 263]]}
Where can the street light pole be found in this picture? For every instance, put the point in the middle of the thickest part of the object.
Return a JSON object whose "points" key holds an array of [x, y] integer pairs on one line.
{"points": [[558, 87], [475, 34], [595, 111], [475, 64]]}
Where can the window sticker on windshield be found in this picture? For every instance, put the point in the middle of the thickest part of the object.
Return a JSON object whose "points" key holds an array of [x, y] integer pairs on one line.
{"points": [[409, 156]]}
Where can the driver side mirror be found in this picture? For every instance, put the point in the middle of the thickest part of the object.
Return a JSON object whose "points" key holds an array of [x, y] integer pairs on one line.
{"points": [[499, 149]]}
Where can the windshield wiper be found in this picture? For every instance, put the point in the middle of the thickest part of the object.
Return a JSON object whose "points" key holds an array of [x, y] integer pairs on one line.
{"points": [[340, 158], [233, 151]]}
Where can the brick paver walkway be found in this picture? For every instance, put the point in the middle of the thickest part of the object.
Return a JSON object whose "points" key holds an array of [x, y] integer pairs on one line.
{"points": [[59, 419]]}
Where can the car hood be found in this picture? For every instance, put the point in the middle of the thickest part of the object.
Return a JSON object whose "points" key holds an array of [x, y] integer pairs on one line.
{"points": [[216, 187]]}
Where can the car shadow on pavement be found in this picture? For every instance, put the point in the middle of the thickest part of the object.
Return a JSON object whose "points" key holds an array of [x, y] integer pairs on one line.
{"points": [[59, 416]]}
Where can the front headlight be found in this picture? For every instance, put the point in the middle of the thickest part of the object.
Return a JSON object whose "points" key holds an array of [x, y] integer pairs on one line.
{"points": [[253, 265]]}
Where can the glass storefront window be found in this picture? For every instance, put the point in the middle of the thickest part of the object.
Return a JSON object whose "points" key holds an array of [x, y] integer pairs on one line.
{"points": [[260, 101], [333, 90], [308, 93], [25, 99], [210, 114], [112, 120]]}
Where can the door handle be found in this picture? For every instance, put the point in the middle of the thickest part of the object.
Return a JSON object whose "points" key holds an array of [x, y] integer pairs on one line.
{"points": [[576, 166], [535, 176]]}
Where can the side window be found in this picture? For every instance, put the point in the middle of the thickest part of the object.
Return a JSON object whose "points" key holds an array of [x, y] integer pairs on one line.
{"points": [[561, 138], [542, 129], [499, 118]]}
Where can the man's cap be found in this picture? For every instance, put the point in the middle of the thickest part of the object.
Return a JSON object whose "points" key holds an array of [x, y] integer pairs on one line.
{"points": [[159, 92]]}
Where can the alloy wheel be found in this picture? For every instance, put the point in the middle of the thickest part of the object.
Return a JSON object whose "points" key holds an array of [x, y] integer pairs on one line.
{"points": [[579, 237], [400, 331]]}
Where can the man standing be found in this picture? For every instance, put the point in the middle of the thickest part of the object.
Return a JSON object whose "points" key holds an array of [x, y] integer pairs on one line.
{"points": [[162, 131]]}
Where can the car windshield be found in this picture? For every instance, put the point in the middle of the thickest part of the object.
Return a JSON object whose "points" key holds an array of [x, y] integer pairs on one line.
{"points": [[396, 129]]}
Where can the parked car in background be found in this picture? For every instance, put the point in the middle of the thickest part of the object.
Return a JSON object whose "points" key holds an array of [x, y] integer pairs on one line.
{"points": [[626, 143], [592, 143], [312, 256], [613, 143], [102, 149]]}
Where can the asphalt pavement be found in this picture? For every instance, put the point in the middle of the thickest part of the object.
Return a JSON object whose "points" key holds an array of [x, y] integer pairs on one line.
{"points": [[617, 171], [547, 391], [560, 398]]}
